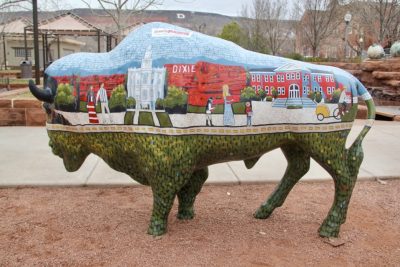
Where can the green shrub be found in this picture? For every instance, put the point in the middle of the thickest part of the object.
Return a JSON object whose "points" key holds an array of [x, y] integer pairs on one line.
{"points": [[318, 97], [336, 96], [131, 102], [269, 98], [239, 108], [249, 94], [261, 93], [311, 95], [117, 101], [176, 97], [160, 103], [274, 92], [176, 100], [64, 99]]}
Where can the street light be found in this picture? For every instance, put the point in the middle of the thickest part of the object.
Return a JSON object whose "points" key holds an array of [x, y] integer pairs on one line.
{"points": [[347, 19]]}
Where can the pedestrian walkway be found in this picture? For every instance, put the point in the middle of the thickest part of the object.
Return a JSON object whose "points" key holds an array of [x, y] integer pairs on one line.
{"points": [[27, 160]]}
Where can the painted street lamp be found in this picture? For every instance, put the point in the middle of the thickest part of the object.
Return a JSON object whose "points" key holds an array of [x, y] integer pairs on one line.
{"points": [[347, 19]]}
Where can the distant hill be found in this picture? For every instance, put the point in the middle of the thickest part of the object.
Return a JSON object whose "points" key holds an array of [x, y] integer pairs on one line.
{"points": [[209, 23]]}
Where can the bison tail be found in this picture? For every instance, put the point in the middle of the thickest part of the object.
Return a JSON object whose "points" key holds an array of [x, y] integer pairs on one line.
{"points": [[355, 153]]}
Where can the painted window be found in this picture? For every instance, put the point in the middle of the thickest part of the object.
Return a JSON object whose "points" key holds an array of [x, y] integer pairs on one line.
{"points": [[287, 76], [253, 78], [258, 77], [319, 78], [271, 78], [305, 91], [315, 78], [320, 89], [254, 87], [266, 78], [298, 76], [267, 90], [258, 87], [292, 76]]}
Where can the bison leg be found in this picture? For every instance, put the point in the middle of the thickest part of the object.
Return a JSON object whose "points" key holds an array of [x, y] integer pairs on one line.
{"points": [[298, 165], [162, 204], [164, 191], [344, 184], [187, 195]]}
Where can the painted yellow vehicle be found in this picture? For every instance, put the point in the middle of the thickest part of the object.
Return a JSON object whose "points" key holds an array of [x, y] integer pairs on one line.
{"points": [[322, 111]]}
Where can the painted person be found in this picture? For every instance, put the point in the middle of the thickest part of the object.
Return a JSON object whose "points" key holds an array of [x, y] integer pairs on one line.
{"points": [[91, 106], [229, 119], [90, 95], [249, 113], [102, 97], [209, 110], [342, 105]]}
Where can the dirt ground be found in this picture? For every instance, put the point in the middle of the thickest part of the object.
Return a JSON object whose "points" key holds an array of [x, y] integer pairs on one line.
{"points": [[107, 227]]}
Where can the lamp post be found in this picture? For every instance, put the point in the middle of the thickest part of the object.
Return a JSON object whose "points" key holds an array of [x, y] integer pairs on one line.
{"points": [[361, 41], [347, 19]]}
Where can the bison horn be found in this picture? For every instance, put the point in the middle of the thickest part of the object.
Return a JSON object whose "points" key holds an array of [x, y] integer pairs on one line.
{"points": [[45, 95]]}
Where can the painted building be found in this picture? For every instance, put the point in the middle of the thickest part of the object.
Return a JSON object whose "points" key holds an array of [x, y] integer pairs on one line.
{"points": [[146, 84], [292, 81], [204, 80]]}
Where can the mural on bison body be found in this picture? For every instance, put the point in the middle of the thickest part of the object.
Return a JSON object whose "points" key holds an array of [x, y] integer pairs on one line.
{"points": [[167, 102]]}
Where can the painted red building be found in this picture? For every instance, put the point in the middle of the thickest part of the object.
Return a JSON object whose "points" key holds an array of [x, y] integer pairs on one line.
{"points": [[292, 81], [204, 80], [110, 82]]}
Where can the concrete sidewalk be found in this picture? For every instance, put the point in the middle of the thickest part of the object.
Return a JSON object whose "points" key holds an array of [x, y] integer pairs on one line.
{"points": [[27, 160]]}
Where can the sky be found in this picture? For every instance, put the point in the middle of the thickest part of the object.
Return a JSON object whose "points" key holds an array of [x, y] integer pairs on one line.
{"points": [[224, 7]]}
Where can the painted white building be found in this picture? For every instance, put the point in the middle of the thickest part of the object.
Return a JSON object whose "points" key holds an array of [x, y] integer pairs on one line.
{"points": [[146, 84]]}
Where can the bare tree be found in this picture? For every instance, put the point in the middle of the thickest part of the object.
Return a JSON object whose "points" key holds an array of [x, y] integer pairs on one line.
{"points": [[7, 5], [318, 21], [121, 11], [384, 16], [274, 24], [253, 25], [266, 24]]}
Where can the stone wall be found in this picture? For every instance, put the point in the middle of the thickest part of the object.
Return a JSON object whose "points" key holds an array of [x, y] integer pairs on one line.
{"points": [[21, 112], [382, 77]]}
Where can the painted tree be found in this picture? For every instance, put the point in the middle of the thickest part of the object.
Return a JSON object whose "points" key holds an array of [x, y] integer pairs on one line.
{"points": [[121, 11], [318, 21]]}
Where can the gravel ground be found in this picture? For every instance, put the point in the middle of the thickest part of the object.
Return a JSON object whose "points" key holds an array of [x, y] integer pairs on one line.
{"points": [[107, 227]]}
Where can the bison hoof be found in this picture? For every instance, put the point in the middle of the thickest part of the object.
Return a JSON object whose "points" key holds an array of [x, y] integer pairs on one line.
{"points": [[262, 214], [185, 214], [157, 228], [329, 230]]}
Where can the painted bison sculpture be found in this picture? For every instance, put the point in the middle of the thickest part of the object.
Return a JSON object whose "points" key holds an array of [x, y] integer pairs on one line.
{"points": [[167, 102]]}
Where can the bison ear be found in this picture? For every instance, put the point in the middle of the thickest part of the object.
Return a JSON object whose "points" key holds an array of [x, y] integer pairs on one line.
{"points": [[249, 163]]}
